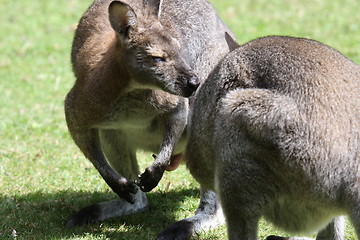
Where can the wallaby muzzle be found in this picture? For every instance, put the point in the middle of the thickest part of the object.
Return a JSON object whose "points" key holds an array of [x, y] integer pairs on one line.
{"points": [[191, 85]]}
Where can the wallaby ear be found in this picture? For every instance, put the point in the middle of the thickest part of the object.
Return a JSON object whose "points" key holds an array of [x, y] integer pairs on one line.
{"points": [[122, 17], [153, 7], [231, 42]]}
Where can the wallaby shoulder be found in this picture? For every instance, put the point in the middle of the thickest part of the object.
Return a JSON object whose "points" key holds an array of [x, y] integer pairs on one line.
{"points": [[301, 68]]}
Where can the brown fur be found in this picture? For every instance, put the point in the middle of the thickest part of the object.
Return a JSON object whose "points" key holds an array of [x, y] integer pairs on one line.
{"points": [[134, 62]]}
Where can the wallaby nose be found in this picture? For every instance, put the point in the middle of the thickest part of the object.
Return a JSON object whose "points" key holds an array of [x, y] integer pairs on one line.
{"points": [[193, 83]]}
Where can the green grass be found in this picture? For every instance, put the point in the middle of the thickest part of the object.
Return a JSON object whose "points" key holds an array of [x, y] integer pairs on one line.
{"points": [[43, 176]]}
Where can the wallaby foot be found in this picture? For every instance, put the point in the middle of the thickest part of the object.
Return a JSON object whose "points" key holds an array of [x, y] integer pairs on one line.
{"points": [[287, 238], [272, 237], [335, 230], [208, 215], [109, 209], [181, 230]]}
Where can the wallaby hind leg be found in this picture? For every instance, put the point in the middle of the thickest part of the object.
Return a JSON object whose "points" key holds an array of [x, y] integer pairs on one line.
{"points": [[335, 230], [242, 213], [123, 159], [241, 219], [248, 117], [241, 228], [241, 188]]}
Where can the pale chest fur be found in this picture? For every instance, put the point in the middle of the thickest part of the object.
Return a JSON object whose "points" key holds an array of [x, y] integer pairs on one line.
{"points": [[141, 116]]}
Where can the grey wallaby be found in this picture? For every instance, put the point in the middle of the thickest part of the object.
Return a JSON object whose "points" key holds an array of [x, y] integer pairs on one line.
{"points": [[135, 62], [276, 132]]}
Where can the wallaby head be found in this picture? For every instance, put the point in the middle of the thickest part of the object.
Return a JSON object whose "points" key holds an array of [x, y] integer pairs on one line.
{"points": [[149, 52]]}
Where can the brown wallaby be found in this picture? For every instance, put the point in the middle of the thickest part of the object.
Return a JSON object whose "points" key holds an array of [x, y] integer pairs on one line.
{"points": [[134, 63], [276, 132]]}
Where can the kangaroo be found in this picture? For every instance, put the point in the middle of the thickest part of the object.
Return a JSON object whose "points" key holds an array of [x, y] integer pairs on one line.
{"points": [[275, 131], [135, 64]]}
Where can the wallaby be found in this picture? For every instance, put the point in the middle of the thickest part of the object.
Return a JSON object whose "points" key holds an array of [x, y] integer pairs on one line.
{"points": [[135, 62], [275, 131]]}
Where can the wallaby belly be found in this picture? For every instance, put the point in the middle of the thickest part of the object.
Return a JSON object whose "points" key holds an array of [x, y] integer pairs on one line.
{"points": [[296, 215]]}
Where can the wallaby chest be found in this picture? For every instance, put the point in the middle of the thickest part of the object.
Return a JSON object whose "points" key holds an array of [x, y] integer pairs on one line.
{"points": [[138, 109], [141, 116]]}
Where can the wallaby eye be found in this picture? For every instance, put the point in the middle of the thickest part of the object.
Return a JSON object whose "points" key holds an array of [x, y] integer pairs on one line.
{"points": [[158, 59]]}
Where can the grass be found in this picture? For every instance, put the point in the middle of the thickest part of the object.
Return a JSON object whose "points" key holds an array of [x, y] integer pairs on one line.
{"points": [[43, 176]]}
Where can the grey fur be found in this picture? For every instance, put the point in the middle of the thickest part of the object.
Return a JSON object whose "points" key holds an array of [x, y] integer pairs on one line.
{"points": [[119, 104], [276, 132]]}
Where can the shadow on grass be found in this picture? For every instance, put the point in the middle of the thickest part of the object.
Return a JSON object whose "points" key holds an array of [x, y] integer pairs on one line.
{"points": [[42, 215]]}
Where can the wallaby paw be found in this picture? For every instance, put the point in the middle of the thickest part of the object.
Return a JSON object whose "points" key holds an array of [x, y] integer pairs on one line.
{"points": [[124, 189], [150, 178]]}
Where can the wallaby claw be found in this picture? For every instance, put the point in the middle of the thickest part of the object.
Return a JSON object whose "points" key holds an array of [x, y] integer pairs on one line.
{"points": [[124, 190], [150, 178]]}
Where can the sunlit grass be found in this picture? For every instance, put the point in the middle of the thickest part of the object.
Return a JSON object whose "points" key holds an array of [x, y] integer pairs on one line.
{"points": [[43, 176]]}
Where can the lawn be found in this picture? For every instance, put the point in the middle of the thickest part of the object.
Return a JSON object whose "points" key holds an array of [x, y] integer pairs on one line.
{"points": [[43, 176]]}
